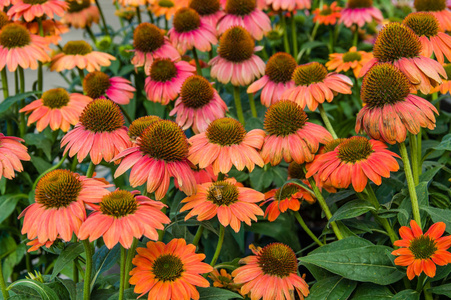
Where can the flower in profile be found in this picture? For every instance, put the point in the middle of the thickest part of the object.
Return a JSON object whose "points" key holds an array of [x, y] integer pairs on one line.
{"points": [[81, 14], [56, 108], [122, 216], [390, 110], [59, 208], [190, 31], [445, 87], [438, 8], [138, 126], [328, 15], [11, 153], [20, 48], [360, 12], [274, 263], [289, 135], [225, 144], [166, 78], [352, 60], [426, 26], [100, 133], [36, 245], [159, 154], [149, 43], [277, 79], [30, 9], [199, 104], [166, 8], [289, 196], [313, 85], [398, 45], [169, 271], [80, 54], [422, 252], [230, 203], [98, 84], [131, 3], [222, 279], [209, 10], [52, 30], [236, 61], [355, 160], [289, 5]]}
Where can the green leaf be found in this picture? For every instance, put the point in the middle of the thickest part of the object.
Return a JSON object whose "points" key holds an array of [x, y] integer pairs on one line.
{"points": [[44, 291], [41, 142], [7, 205], [261, 179], [439, 215], [444, 289], [407, 295], [351, 210], [344, 244], [128, 295], [40, 164], [6, 104], [372, 291], [103, 260], [212, 293], [67, 256], [332, 288], [70, 287], [230, 265], [444, 145]]}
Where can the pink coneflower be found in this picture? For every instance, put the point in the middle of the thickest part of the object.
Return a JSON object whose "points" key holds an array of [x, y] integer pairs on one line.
{"points": [[360, 12], [314, 85], [236, 61], [199, 104], [245, 13], [30, 9], [81, 14], [166, 78], [20, 48], [438, 8], [4, 3], [97, 84], [11, 153], [56, 108], [225, 144], [289, 135], [209, 10], [261, 4], [52, 30], [277, 79], [100, 133], [190, 31], [160, 153], [289, 5], [202, 175], [149, 43]]}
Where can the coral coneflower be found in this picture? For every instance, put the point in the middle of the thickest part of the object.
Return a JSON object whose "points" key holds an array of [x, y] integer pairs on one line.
{"points": [[160, 153], [277, 79], [11, 153], [222, 279], [59, 210], [122, 216], [81, 14], [230, 203], [289, 135], [166, 78], [52, 30], [288, 5], [328, 15], [445, 87], [20, 48], [4, 3], [100, 133], [30, 9], [131, 3], [390, 109], [353, 59], [296, 171], [138, 126], [209, 10], [56, 108], [236, 61], [314, 85], [421, 252], [273, 266], [355, 160], [169, 271], [360, 12], [190, 31], [397, 44], [36, 245], [225, 144], [97, 84], [199, 104], [438, 9], [166, 8], [80, 54], [149, 43], [426, 26]]}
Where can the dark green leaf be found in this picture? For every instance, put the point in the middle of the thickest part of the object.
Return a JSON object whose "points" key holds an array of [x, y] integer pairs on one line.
{"points": [[70, 287], [67, 256], [444, 289], [40, 164], [41, 142], [439, 215], [351, 210], [44, 291], [6, 104], [261, 179], [332, 288], [371, 291], [344, 244], [128, 295], [444, 145], [7, 205], [212, 293], [407, 295], [104, 259]]}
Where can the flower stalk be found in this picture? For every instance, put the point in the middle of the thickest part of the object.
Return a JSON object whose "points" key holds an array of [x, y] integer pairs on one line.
{"points": [[218, 246]]}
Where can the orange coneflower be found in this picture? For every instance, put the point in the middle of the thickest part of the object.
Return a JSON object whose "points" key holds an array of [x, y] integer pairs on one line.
{"points": [[52, 30], [30, 9], [11, 153], [56, 108], [100, 133], [328, 15], [445, 87], [225, 144], [360, 12], [355, 160], [130, 3], [81, 14], [352, 59], [59, 210], [97, 84], [169, 271], [36, 245], [122, 216], [288, 5], [296, 171], [166, 8], [138, 126], [272, 273], [289, 135], [222, 279], [209, 10], [421, 252], [232, 204], [391, 111], [438, 9]]}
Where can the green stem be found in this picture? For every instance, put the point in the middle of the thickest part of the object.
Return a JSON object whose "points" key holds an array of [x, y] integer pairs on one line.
{"points": [[331, 41], [91, 169], [238, 106], [122, 280], [81, 73], [410, 183], [88, 270], [50, 170], [198, 235], [138, 15], [22, 123], [285, 33], [427, 293], [125, 113], [5, 292], [105, 29], [196, 59], [420, 154], [74, 164], [75, 271], [218, 246], [327, 121], [166, 24], [128, 263], [91, 34], [252, 104], [414, 155], [40, 75], [356, 36], [306, 229], [5, 83], [163, 210], [16, 81], [152, 20], [294, 35]]}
